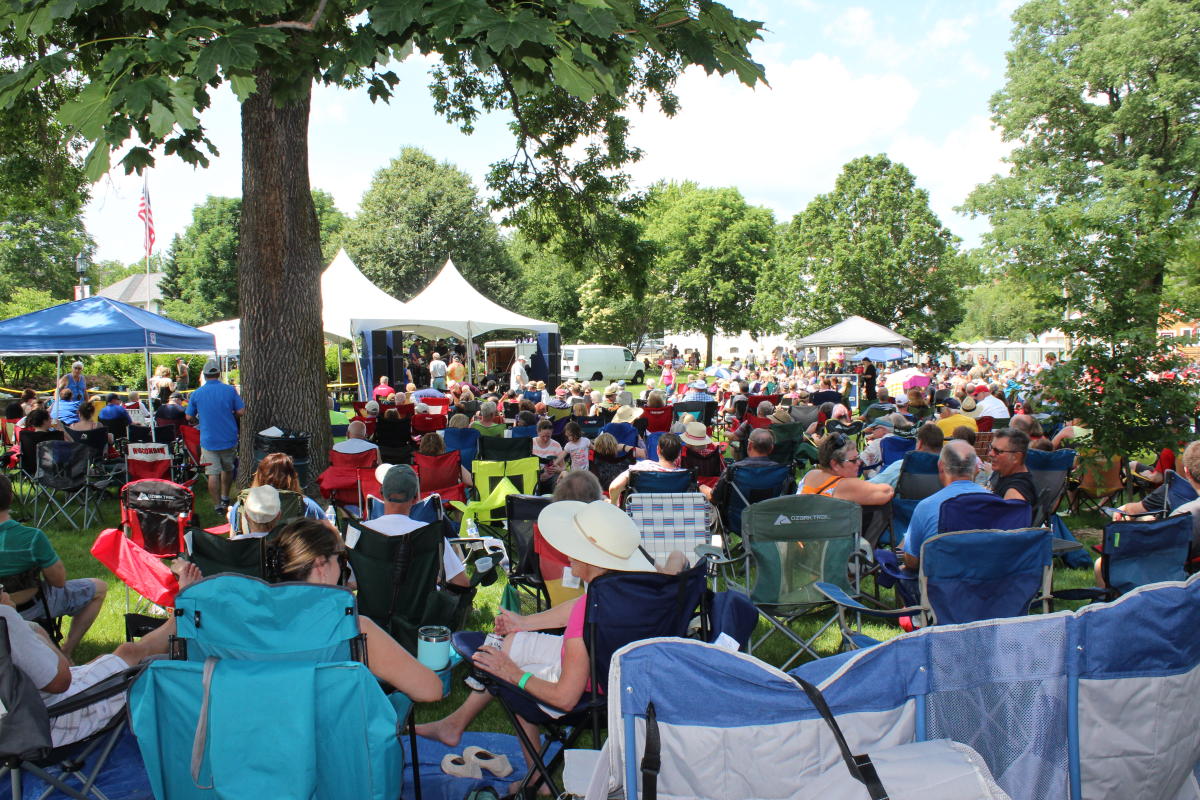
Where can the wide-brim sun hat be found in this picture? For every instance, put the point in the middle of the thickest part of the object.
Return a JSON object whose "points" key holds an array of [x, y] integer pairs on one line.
{"points": [[596, 533], [695, 434], [626, 414], [781, 415]]}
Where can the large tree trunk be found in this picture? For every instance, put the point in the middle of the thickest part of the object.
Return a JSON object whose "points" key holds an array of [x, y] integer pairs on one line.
{"points": [[279, 279], [708, 347]]}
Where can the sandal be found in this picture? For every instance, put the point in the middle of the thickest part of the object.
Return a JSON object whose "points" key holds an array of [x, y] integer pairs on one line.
{"points": [[460, 767], [496, 764]]}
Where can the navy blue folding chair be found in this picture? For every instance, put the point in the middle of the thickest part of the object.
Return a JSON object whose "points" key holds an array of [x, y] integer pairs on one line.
{"points": [[624, 432], [622, 607], [533, 397], [979, 511], [652, 446], [965, 576], [1136, 553], [918, 479], [751, 483], [589, 425], [522, 432], [893, 448], [1179, 492], [465, 441], [654, 482]]}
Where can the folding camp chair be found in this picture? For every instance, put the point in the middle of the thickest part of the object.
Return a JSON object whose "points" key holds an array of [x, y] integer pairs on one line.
{"points": [[33, 579], [622, 607], [1178, 492], [965, 576], [1049, 471], [26, 463], [496, 448], [1135, 553], [672, 522], [510, 409], [291, 507], [590, 426], [525, 574], [465, 441], [26, 747], [657, 482], [918, 479], [624, 432], [607, 468], [658, 420], [750, 483], [64, 478], [789, 436], [522, 432], [790, 544], [706, 469], [440, 475], [438, 405], [426, 423], [980, 511], [394, 437], [523, 473], [893, 448], [398, 580], [250, 658], [1098, 483], [148, 461], [214, 554]]}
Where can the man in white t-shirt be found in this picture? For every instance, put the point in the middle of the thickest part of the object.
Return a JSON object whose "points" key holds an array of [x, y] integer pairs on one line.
{"points": [[669, 448], [988, 405], [437, 373], [356, 441], [400, 489], [517, 377]]}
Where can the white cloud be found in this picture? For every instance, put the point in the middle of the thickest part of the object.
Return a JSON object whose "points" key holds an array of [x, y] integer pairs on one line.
{"points": [[950, 168], [947, 33], [855, 28], [779, 145]]}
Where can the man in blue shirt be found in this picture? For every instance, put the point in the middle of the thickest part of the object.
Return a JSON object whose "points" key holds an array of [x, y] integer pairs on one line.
{"points": [[115, 411], [217, 405], [956, 469], [698, 392], [66, 408]]}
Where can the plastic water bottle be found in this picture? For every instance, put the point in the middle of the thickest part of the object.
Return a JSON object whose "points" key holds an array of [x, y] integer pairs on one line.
{"points": [[331, 514], [472, 528]]}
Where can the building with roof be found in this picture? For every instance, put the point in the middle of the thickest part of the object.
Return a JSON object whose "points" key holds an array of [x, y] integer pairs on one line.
{"points": [[132, 290]]}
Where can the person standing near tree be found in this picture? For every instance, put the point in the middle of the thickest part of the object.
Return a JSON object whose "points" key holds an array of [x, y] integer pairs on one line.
{"points": [[217, 405]]}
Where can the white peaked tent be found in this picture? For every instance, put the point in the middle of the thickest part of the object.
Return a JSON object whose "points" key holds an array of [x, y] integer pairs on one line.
{"points": [[228, 335], [450, 306], [855, 331], [348, 296]]}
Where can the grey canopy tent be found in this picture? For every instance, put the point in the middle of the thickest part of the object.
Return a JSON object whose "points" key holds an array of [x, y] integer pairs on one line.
{"points": [[855, 332]]}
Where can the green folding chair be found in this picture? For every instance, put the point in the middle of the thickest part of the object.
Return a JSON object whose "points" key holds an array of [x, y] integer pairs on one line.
{"points": [[213, 554], [522, 472], [792, 543]]}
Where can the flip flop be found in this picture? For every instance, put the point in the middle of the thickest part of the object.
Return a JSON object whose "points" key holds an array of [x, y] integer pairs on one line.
{"points": [[460, 767], [496, 764]]}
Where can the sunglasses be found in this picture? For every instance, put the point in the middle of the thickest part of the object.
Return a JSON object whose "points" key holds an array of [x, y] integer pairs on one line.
{"points": [[992, 449]]}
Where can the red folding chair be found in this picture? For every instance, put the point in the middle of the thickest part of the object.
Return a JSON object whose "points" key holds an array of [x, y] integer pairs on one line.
{"points": [[658, 420], [753, 400], [436, 403], [368, 421], [406, 410], [148, 461], [188, 448], [441, 475], [427, 423], [359, 407], [340, 481]]}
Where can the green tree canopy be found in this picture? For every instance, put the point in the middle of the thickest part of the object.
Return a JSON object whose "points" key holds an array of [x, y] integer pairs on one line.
{"points": [[1003, 307], [565, 70], [711, 246], [200, 284], [416, 214], [871, 247], [1101, 100]]}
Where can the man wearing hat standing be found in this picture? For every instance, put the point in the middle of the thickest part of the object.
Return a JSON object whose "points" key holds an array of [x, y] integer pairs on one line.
{"points": [[950, 416], [517, 376], [400, 488], [217, 406]]}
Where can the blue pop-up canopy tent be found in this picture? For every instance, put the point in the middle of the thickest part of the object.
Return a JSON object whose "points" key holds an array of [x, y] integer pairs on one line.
{"points": [[99, 325]]}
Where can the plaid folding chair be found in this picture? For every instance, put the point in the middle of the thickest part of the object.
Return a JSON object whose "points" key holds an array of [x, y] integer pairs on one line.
{"points": [[672, 522]]}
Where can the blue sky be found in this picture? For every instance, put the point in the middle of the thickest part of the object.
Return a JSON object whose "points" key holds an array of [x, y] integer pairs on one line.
{"points": [[906, 78]]}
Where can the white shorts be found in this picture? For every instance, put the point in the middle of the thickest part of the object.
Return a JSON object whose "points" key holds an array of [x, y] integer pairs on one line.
{"points": [[79, 725], [539, 654]]}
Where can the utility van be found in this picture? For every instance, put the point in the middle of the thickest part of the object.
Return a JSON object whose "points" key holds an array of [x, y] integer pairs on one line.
{"points": [[600, 362]]}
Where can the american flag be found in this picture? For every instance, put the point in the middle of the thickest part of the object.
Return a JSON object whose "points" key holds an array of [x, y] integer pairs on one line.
{"points": [[147, 217]]}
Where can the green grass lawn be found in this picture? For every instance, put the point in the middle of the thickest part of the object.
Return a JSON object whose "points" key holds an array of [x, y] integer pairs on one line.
{"points": [[108, 631]]}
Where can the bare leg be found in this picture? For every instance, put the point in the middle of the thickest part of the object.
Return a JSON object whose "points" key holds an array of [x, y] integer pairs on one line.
{"points": [[83, 620], [214, 489], [448, 730], [534, 735], [226, 483], [1100, 572]]}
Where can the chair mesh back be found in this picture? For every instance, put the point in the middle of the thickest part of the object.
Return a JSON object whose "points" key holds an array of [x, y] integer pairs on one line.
{"points": [[396, 577], [29, 441], [798, 540], [918, 476], [660, 482], [496, 448], [395, 433], [63, 465], [213, 554], [156, 513], [1138, 553], [709, 465], [25, 726], [1049, 471], [607, 468], [522, 511]]}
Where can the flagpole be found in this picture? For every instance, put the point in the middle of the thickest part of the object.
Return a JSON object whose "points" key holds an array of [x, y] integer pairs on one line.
{"points": [[147, 217]]}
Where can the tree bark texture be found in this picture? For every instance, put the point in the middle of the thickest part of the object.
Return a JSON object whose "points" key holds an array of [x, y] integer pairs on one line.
{"points": [[279, 280]]}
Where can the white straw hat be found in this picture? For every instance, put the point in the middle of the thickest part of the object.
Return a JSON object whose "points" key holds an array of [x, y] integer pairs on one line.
{"points": [[596, 533]]}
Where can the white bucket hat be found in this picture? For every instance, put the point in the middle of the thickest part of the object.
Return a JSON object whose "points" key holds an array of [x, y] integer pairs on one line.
{"points": [[596, 533], [695, 434]]}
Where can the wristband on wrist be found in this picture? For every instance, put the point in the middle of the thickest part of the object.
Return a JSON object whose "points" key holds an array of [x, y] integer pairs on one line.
{"points": [[524, 680]]}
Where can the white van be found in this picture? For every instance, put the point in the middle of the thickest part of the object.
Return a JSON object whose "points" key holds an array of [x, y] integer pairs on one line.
{"points": [[600, 362]]}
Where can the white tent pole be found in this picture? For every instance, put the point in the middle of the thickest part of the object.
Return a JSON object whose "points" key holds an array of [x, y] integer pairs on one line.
{"points": [[470, 356], [148, 409], [57, 375]]}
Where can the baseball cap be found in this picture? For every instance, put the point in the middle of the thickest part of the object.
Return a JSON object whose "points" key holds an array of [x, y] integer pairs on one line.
{"points": [[400, 485], [951, 402], [262, 504], [211, 367], [881, 423]]}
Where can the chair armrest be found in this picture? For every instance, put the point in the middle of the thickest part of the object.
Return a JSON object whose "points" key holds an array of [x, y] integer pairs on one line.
{"points": [[716, 555], [113, 685], [838, 595]]}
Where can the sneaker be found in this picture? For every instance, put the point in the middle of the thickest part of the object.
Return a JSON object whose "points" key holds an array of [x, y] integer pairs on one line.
{"points": [[474, 685]]}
